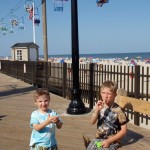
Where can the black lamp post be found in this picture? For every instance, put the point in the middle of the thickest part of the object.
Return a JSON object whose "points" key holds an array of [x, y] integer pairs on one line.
{"points": [[76, 106]]}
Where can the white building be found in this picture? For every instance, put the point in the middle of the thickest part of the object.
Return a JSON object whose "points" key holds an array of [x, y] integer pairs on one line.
{"points": [[25, 51]]}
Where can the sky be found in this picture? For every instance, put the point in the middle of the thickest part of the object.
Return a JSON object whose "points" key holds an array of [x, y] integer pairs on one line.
{"points": [[119, 26]]}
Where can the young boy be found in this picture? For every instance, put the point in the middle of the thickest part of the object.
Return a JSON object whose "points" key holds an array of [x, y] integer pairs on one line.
{"points": [[43, 122], [110, 118]]}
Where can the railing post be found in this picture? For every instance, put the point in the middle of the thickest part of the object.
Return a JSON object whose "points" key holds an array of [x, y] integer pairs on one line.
{"points": [[10, 69], [0, 65], [64, 79], [91, 86], [46, 74], [24, 71], [137, 92], [33, 72], [17, 69]]}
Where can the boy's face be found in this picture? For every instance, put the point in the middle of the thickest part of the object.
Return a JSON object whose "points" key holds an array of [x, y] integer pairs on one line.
{"points": [[42, 103], [107, 96]]}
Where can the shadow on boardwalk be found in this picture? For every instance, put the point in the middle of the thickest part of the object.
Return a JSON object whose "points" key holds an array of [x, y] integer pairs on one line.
{"points": [[16, 105], [14, 90]]}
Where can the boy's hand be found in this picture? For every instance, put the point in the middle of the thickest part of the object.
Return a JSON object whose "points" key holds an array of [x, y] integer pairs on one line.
{"points": [[106, 143], [52, 119], [99, 105]]}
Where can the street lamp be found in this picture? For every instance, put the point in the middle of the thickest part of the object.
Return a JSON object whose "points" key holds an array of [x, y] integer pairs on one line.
{"points": [[76, 106]]}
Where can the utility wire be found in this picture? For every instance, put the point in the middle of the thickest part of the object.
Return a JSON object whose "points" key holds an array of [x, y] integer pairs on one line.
{"points": [[12, 10], [19, 4]]}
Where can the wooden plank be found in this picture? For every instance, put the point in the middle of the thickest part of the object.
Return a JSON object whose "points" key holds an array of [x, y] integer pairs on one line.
{"points": [[137, 105]]}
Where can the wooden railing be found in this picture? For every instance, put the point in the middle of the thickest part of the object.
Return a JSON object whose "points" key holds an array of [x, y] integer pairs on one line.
{"points": [[57, 77]]}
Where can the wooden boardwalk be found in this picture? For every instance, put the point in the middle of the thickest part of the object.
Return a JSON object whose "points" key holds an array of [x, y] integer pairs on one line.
{"points": [[16, 105]]}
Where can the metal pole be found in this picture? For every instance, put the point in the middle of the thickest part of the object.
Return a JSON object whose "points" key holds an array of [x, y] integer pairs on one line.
{"points": [[33, 24], [44, 30], [76, 106]]}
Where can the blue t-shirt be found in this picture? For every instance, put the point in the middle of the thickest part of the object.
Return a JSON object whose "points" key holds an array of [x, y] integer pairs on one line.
{"points": [[46, 136]]}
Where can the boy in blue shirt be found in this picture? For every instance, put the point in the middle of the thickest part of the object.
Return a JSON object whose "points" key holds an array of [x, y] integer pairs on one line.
{"points": [[43, 122]]}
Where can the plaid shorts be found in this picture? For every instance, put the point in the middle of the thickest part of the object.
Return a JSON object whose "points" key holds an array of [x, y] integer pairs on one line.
{"points": [[37, 147], [95, 145]]}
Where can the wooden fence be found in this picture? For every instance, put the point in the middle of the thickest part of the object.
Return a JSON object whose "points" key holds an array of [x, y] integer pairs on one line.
{"points": [[57, 77]]}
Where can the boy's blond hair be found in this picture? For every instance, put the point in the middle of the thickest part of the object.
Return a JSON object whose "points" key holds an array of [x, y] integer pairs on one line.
{"points": [[40, 92], [109, 84]]}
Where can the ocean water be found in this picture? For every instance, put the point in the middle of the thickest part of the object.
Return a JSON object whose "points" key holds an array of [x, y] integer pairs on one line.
{"points": [[141, 55]]}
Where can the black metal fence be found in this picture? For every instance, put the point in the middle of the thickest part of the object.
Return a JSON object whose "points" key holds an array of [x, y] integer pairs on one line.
{"points": [[57, 77]]}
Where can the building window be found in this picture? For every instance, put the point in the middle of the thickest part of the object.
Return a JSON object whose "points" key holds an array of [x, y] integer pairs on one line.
{"points": [[19, 55]]}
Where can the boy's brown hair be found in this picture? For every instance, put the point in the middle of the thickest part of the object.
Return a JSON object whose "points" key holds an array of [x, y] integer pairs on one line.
{"points": [[109, 84], [40, 92]]}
